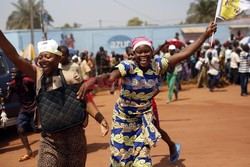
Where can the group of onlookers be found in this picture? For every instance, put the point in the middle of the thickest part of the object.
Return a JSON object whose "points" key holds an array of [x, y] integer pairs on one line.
{"points": [[220, 65], [213, 65]]}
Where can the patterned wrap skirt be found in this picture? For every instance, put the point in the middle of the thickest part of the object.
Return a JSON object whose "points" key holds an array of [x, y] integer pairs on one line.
{"points": [[132, 136], [63, 149]]}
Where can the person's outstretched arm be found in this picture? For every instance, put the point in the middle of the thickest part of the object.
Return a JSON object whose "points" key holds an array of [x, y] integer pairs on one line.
{"points": [[104, 78], [12, 54], [188, 51]]}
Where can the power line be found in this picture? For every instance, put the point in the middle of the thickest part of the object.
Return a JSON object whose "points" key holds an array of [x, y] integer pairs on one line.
{"points": [[137, 12]]}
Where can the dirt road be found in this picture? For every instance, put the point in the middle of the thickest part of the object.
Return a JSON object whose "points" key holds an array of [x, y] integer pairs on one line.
{"points": [[213, 129]]}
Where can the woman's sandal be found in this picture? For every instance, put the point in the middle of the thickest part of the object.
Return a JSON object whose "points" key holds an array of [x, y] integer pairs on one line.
{"points": [[26, 157], [175, 156]]}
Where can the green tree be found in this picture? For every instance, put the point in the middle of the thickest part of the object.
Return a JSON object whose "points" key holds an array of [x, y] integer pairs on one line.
{"points": [[149, 24], [134, 22], [201, 11], [67, 25], [20, 18]]}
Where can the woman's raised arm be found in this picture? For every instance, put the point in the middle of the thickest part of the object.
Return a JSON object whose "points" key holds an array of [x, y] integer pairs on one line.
{"points": [[188, 51], [14, 57]]}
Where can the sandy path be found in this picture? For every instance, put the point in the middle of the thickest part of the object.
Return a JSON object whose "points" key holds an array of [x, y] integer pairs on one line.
{"points": [[213, 129]]}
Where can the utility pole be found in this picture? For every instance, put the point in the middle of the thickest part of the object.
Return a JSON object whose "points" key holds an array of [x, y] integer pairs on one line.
{"points": [[100, 23], [44, 20], [31, 22]]}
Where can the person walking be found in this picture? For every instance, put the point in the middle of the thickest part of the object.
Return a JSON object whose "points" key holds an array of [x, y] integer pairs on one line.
{"points": [[85, 69], [133, 132], [171, 76], [201, 66], [244, 69], [99, 56], [24, 87], [234, 66], [213, 71]]}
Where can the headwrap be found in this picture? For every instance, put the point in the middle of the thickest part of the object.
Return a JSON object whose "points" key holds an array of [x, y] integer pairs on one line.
{"points": [[48, 46], [141, 41]]}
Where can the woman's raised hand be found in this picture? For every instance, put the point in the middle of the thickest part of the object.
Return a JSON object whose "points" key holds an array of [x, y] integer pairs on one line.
{"points": [[211, 29]]}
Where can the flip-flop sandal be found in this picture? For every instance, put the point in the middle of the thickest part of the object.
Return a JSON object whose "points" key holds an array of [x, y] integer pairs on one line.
{"points": [[25, 157], [175, 156]]}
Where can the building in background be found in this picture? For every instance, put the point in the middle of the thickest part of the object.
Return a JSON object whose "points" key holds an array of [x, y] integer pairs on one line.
{"points": [[116, 39]]}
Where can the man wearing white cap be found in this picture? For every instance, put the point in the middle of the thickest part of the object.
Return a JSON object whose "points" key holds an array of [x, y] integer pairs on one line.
{"points": [[171, 75]]}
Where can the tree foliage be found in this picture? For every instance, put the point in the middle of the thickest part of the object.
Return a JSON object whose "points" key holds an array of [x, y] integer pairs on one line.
{"points": [[134, 22], [201, 11], [67, 25], [20, 18]]}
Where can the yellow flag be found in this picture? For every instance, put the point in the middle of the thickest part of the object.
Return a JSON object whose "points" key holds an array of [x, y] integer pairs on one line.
{"points": [[229, 9]]}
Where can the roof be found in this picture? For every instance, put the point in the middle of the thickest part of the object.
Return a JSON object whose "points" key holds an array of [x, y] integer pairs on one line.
{"points": [[193, 30], [239, 26]]}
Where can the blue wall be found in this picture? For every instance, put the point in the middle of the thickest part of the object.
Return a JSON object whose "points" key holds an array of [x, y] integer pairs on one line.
{"points": [[110, 38]]}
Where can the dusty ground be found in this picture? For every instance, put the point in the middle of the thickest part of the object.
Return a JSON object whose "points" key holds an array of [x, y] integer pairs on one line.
{"points": [[213, 129]]}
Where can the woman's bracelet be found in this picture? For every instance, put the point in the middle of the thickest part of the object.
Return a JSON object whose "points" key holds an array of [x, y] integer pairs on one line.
{"points": [[200, 41], [99, 117]]}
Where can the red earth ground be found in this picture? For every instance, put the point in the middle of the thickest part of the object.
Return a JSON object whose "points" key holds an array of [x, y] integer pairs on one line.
{"points": [[213, 128]]}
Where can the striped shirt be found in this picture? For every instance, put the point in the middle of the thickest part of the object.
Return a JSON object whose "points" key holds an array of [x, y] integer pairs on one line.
{"points": [[244, 66]]}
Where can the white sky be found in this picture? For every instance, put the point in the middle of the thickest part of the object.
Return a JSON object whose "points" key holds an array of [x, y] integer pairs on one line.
{"points": [[110, 12]]}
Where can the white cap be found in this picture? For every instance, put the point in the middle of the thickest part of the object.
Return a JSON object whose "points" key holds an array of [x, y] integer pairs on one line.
{"points": [[171, 47], [74, 57], [48, 46], [191, 41]]}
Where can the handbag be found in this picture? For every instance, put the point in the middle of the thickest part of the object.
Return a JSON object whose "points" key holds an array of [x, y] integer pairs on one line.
{"points": [[59, 109]]}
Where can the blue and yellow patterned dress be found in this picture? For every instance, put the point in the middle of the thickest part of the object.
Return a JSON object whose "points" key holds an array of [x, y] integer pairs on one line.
{"points": [[133, 132]]}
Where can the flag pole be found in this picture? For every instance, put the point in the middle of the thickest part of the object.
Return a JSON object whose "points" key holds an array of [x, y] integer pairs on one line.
{"points": [[212, 38], [216, 14]]}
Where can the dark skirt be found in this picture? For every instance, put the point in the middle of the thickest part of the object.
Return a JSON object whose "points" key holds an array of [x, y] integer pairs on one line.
{"points": [[67, 148]]}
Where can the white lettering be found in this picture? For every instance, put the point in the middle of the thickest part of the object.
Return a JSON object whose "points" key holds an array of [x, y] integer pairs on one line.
{"points": [[119, 44]]}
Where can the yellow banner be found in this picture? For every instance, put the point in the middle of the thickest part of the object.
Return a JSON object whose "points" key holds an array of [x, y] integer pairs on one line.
{"points": [[229, 9]]}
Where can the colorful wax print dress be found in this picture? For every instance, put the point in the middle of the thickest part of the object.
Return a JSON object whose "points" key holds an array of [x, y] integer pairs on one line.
{"points": [[133, 133]]}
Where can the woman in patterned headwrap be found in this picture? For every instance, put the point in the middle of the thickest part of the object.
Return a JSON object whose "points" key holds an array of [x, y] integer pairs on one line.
{"points": [[133, 132]]}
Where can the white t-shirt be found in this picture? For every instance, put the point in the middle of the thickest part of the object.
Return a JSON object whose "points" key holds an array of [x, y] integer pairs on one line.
{"points": [[213, 66], [227, 54], [199, 63], [235, 59], [214, 53]]}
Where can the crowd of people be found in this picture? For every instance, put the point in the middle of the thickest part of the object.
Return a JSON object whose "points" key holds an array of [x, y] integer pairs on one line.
{"points": [[213, 65], [138, 74]]}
